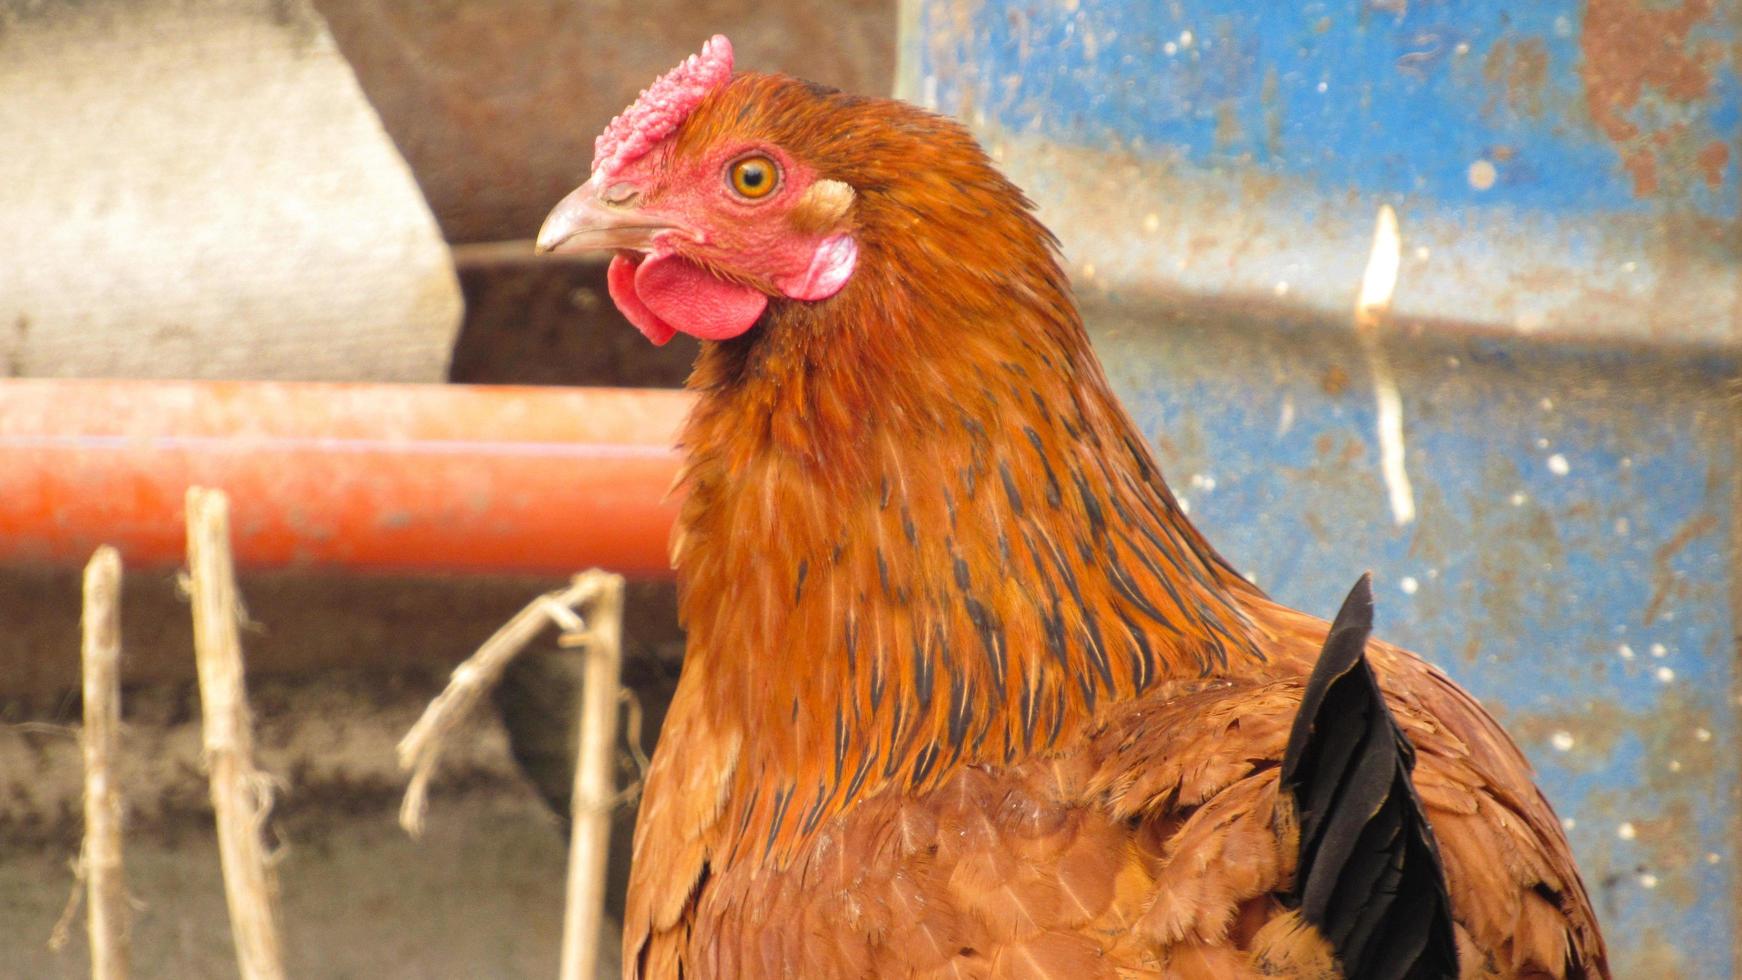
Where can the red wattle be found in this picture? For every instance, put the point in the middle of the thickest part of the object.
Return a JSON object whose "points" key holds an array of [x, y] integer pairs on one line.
{"points": [[620, 281], [688, 297]]}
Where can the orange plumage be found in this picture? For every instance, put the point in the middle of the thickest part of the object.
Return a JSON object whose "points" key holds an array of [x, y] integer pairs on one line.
{"points": [[966, 694]]}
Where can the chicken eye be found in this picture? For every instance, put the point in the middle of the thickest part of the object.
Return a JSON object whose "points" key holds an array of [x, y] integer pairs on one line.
{"points": [[754, 177]]}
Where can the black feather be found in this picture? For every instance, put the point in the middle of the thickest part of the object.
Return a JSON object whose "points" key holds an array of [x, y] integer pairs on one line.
{"points": [[1369, 876]]}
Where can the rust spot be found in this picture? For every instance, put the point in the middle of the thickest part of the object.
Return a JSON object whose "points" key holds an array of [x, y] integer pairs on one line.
{"points": [[1662, 575], [1632, 47], [1711, 160], [1642, 167], [1520, 70], [1334, 381]]}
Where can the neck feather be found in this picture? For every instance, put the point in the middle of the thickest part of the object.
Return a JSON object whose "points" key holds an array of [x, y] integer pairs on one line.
{"points": [[921, 533]]}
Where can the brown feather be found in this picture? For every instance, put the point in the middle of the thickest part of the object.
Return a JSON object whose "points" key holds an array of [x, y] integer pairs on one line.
{"points": [[966, 694]]}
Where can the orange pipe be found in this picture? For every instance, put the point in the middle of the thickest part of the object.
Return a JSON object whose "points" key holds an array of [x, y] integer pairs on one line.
{"points": [[427, 478]]}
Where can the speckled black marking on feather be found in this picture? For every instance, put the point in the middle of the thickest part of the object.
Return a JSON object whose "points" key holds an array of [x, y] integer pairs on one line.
{"points": [[1034, 557], [1058, 716], [840, 743], [795, 710], [876, 683], [1199, 570], [825, 793], [961, 708], [923, 762], [1054, 498], [883, 573], [922, 674], [1090, 637], [975, 430], [804, 567], [749, 811], [1091, 504], [1120, 510], [857, 783], [1010, 491], [991, 637], [1093, 437], [1066, 573], [892, 761], [1155, 570], [1219, 636], [987, 720], [1040, 405], [1140, 456], [968, 481], [1052, 624], [883, 493], [782, 797], [1086, 685], [1085, 550], [898, 719], [1089, 640], [1170, 552], [908, 531], [1141, 655], [1127, 587], [1030, 706], [1043, 356], [850, 637]]}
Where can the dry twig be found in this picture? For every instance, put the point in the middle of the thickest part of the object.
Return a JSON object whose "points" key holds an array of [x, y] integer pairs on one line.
{"points": [[593, 797], [107, 904], [599, 631], [241, 793], [421, 748]]}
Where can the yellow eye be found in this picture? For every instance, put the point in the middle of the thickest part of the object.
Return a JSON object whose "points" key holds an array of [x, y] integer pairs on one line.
{"points": [[754, 177]]}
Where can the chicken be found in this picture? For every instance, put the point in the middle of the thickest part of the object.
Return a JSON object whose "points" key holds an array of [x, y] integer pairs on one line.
{"points": [[966, 694]]}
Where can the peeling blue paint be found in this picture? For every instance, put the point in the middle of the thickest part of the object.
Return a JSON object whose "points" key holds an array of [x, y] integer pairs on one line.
{"points": [[1404, 97], [1563, 343]]}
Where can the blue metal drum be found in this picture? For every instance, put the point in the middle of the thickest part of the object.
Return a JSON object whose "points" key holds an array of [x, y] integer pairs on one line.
{"points": [[1567, 180]]}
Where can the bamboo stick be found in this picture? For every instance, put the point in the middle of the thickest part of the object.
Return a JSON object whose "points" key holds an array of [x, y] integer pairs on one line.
{"points": [[594, 795], [106, 906], [241, 794]]}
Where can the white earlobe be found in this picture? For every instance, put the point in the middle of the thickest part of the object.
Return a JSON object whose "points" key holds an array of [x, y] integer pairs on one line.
{"points": [[830, 267]]}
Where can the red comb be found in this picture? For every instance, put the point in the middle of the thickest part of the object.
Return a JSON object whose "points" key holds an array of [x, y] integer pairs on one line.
{"points": [[662, 106]]}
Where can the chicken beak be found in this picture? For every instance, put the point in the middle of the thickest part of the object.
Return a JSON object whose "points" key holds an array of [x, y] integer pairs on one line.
{"points": [[584, 222]]}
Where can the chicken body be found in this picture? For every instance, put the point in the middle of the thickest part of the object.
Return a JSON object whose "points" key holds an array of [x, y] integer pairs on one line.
{"points": [[966, 694]]}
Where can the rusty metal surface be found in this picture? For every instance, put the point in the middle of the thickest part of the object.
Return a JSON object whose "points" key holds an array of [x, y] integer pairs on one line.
{"points": [[1560, 169], [1570, 563], [1563, 341], [495, 104]]}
